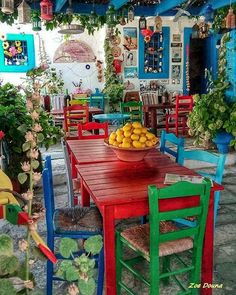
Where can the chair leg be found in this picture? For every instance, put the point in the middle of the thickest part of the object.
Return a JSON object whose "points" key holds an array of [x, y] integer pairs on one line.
{"points": [[154, 276], [49, 277], [216, 204], [165, 269], [100, 272], [118, 264]]}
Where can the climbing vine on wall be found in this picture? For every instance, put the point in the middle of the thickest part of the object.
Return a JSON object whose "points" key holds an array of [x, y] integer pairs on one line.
{"points": [[219, 17]]}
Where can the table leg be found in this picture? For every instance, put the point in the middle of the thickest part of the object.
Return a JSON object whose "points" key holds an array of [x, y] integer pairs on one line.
{"points": [[85, 196], [154, 120], [109, 250], [208, 250], [73, 169]]}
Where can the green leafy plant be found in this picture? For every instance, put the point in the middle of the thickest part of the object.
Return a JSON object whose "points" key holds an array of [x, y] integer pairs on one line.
{"points": [[219, 18], [114, 87], [80, 269], [211, 112]]}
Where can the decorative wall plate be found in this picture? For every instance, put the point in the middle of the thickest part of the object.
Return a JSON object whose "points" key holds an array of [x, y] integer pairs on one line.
{"points": [[116, 51]]}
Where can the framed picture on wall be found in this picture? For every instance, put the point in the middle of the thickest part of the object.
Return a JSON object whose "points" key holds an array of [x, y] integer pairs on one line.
{"points": [[17, 53], [131, 58], [176, 72], [176, 38], [131, 72], [130, 38]]}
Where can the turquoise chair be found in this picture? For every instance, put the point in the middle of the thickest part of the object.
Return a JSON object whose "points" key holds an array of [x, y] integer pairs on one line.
{"points": [[204, 156], [174, 140], [97, 100]]}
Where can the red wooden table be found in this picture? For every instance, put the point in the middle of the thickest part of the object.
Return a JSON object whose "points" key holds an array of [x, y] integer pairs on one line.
{"points": [[119, 190]]}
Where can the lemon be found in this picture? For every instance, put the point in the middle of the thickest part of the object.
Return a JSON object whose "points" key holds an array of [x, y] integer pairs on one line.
{"points": [[120, 145], [148, 143], [113, 136], [115, 143], [126, 145], [127, 133], [137, 131], [111, 141], [154, 140], [135, 137], [119, 138], [127, 127], [119, 132], [137, 125], [127, 140], [137, 144], [143, 139], [144, 130], [143, 145], [150, 135]]}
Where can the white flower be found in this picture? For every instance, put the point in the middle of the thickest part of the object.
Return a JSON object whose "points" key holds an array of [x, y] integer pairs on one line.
{"points": [[34, 154], [37, 127], [23, 245], [36, 177], [73, 290], [29, 136], [35, 115], [28, 195]]}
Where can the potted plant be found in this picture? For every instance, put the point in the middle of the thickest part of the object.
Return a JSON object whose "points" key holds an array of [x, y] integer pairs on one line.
{"points": [[212, 117]]}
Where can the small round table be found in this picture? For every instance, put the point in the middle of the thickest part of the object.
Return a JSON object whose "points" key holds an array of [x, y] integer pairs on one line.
{"points": [[112, 117]]}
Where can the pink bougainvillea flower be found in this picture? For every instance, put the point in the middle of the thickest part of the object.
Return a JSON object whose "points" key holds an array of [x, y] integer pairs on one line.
{"points": [[34, 154], [35, 115], [73, 290], [13, 50], [25, 166], [37, 127], [44, 66], [29, 136], [2, 134], [29, 105], [36, 177], [28, 195]]}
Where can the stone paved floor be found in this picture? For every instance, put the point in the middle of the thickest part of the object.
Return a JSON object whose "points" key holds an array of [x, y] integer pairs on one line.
{"points": [[225, 233]]}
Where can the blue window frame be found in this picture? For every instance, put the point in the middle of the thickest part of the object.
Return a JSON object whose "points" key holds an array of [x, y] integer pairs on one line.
{"points": [[17, 53], [155, 40]]}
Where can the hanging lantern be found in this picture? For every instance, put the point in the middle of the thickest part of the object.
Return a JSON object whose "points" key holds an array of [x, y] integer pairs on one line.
{"points": [[230, 19], [209, 14], [203, 28], [7, 6], [142, 23], [46, 9], [36, 21], [131, 14], [93, 18], [158, 24], [111, 17], [24, 13]]}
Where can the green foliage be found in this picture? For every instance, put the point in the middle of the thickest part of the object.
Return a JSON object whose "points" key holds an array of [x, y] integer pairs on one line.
{"points": [[67, 247], [87, 287], [6, 245], [93, 245], [114, 87], [8, 18], [81, 268], [22, 177], [219, 17], [6, 287], [8, 264], [211, 113]]}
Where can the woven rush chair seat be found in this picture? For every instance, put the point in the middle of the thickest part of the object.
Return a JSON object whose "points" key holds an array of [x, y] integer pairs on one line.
{"points": [[139, 237], [77, 219]]}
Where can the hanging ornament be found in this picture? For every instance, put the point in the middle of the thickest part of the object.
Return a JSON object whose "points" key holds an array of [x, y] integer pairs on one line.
{"points": [[24, 13], [209, 14], [36, 23], [46, 9], [131, 14], [187, 69], [158, 24], [203, 28], [7, 6], [111, 17], [195, 30], [230, 19], [142, 23]]}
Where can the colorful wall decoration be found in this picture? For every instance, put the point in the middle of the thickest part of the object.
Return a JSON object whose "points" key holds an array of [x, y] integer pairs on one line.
{"points": [[17, 53], [130, 38]]}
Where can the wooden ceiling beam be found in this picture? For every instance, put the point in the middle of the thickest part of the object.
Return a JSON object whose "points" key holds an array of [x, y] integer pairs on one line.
{"points": [[166, 5], [59, 5], [118, 3]]}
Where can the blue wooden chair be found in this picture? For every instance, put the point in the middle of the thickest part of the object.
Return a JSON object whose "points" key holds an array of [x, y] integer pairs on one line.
{"points": [[204, 156], [174, 140], [75, 223]]}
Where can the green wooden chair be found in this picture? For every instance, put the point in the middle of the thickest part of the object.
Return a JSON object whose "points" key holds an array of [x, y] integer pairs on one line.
{"points": [[161, 240], [134, 109]]}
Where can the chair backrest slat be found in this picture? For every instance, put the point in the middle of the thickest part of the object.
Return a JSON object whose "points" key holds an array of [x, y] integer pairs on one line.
{"points": [[195, 211], [174, 140], [134, 109], [93, 126]]}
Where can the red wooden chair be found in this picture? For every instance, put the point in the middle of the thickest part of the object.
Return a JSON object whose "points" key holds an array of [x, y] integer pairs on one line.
{"points": [[178, 120], [95, 127], [73, 115]]}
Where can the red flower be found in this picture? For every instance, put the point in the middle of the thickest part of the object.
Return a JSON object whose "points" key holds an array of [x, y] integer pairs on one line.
{"points": [[2, 134]]}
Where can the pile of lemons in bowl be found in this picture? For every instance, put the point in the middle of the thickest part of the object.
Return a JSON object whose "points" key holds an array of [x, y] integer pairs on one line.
{"points": [[133, 135]]}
